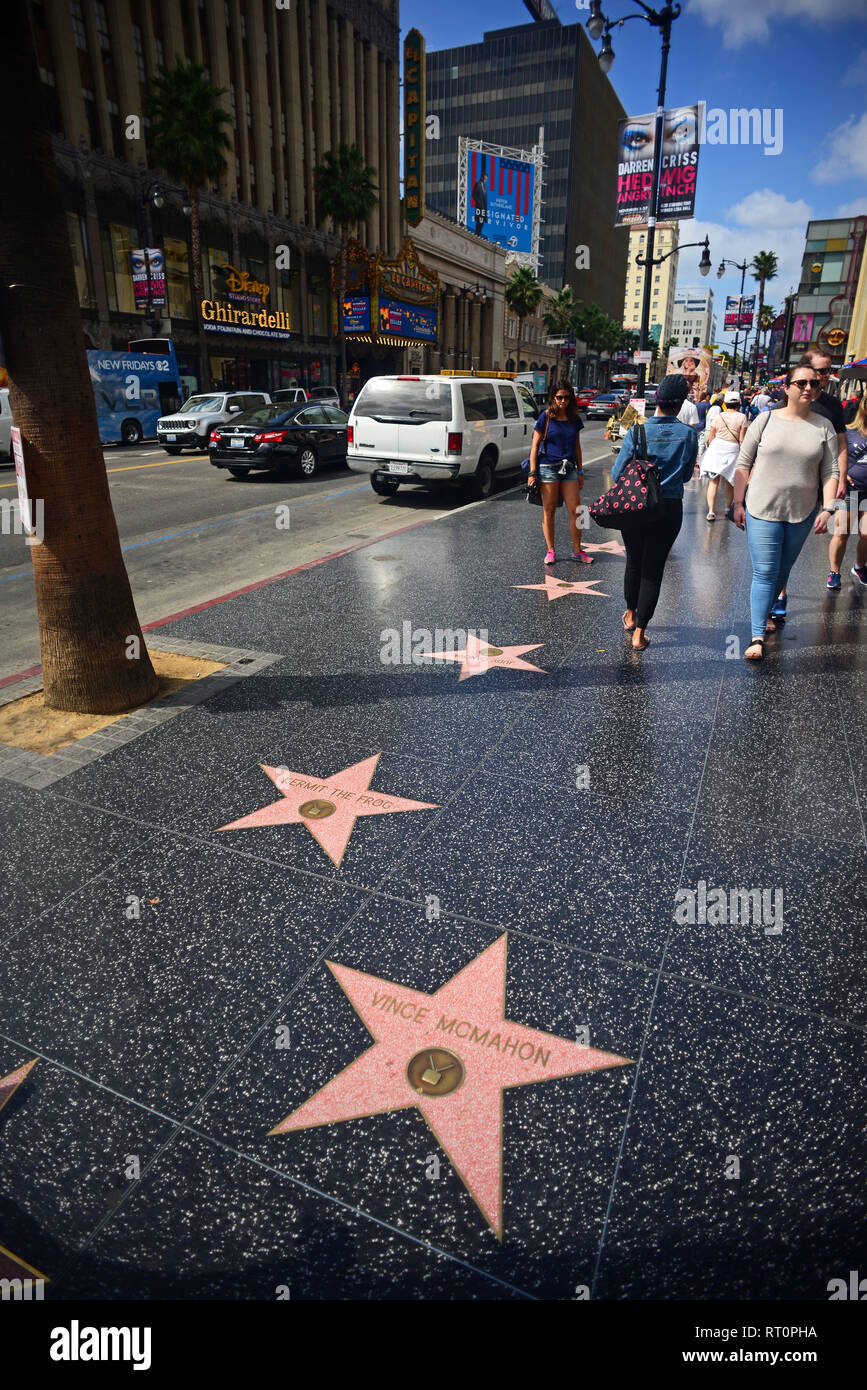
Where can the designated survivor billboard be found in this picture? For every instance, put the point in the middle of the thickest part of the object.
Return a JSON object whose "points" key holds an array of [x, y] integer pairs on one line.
{"points": [[499, 199], [678, 167]]}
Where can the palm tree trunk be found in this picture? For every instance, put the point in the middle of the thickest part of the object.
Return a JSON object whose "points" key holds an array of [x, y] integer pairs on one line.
{"points": [[93, 654], [198, 290], [518, 350]]}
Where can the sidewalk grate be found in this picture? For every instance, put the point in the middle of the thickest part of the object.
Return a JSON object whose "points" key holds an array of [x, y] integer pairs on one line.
{"points": [[42, 770]]}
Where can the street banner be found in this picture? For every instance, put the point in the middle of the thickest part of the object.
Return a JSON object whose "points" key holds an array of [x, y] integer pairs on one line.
{"points": [[148, 266], [636, 138], [739, 311], [693, 363], [499, 202], [408, 320], [802, 332], [356, 315]]}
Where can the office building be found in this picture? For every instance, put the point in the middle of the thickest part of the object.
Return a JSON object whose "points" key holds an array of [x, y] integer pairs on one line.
{"points": [[502, 90], [693, 322], [298, 81], [821, 313], [663, 282]]}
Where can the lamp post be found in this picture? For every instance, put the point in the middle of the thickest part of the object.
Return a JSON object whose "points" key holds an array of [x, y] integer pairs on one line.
{"points": [[719, 275], [153, 196], [704, 266], [599, 26]]}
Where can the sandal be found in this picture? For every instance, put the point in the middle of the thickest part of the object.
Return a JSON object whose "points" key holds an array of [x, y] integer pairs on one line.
{"points": [[640, 646], [627, 627], [756, 642]]}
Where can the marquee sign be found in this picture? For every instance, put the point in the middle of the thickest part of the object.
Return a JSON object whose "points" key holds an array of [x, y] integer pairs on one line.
{"points": [[394, 303]]}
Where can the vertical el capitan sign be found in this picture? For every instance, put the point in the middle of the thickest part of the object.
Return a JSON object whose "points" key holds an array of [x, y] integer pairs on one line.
{"points": [[413, 127]]}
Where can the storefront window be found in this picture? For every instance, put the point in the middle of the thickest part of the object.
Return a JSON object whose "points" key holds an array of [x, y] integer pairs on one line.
{"points": [[178, 278], [287, 297], [215, 284], [117, 243], [80, 261]]}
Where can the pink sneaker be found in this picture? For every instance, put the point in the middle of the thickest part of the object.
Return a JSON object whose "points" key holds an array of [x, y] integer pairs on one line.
{"points": [[550, 558], [583, 556]]}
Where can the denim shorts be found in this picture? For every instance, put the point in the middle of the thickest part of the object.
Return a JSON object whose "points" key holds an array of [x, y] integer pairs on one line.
{"points": [[550, 473]]}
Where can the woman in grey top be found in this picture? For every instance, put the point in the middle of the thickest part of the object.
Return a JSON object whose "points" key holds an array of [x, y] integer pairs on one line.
{"points": [[787, 457]]}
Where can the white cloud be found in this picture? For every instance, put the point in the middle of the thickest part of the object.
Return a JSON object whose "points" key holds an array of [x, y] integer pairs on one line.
{"points": [[743, 21], [845, 156], [857, 207], [857, 74], [765, 208]]}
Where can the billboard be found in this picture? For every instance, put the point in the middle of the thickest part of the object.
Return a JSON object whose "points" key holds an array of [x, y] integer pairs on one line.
{"points": [[693, 363], [147, 264], [739, 311], [636, 141], [499, 198], [356, 314]]}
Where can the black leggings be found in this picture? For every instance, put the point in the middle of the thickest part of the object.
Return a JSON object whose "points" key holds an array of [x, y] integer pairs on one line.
{"points": [[647, 550]]}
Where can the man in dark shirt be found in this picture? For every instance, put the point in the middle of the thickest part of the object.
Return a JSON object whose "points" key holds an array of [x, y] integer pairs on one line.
{"points": [[479, 198], [830, 407]]}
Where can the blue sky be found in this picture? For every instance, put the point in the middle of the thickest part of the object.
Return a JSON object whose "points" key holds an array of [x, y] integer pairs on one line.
{"points": [[806, 57]]}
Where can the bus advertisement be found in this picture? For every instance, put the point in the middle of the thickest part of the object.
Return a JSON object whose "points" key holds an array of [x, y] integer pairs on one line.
{"points": [[133, 389]]}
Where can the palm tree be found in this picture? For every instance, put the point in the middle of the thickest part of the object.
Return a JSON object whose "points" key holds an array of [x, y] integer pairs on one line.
{"points": [[764, 267], [523, 293], [188, 140], [94, 658], [560, 318], [345, 192]]}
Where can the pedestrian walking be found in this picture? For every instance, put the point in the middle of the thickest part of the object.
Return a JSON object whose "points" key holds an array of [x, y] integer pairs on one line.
{"points": [[786, 457], [856, 439], [830, 407], [725, 435], [672, 447], [556, 467]]}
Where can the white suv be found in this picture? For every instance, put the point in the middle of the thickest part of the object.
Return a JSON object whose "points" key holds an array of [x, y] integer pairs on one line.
{"points": [[190, 427], [436, 429]]}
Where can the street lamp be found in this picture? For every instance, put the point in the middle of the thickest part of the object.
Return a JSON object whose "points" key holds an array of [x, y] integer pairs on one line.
{"points": [[742, 267], [598, 25], [153, 196]]}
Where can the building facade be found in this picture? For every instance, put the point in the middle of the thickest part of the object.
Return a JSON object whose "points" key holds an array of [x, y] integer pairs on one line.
{"points": [[693, 322], [821, 313], [297, 82], [472, 281], [664, 281], [503, 90]]}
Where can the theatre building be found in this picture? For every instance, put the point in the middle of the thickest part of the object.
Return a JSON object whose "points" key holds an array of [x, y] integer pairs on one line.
{"points": [[298, 80]]}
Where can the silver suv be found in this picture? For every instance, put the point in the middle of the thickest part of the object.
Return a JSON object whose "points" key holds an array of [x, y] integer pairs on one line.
{"points": [[190, 427]]}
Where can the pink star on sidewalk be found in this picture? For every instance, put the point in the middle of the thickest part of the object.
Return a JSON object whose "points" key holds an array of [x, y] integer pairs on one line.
{"points": [[478, 657], [451, 1055], [329, 808], [559, 588], [609, 547], [9, 1084]]}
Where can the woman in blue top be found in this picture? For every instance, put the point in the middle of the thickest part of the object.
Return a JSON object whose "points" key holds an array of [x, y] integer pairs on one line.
{"points": [[555, 466], [672, 447]]}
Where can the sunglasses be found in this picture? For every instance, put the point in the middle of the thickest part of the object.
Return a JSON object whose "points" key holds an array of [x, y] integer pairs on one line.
{"points": [[822, 371], [562, 398], [805, 383]]}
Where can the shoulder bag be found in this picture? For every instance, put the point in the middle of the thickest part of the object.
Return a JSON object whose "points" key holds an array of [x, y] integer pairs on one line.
{"points": [[532, 491]]}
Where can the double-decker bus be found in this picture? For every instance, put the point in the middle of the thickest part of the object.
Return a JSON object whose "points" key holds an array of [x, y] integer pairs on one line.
{"points": [[133, 389]]}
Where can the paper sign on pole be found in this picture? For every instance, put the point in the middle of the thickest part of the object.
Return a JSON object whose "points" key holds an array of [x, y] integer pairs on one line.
{"points": [[24, 506]]}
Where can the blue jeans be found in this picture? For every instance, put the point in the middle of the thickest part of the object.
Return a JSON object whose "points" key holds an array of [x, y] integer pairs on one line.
{"points": [[774, 548]]}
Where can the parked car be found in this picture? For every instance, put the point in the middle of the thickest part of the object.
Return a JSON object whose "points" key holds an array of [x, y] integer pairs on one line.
{"points": [[435, 429], [291, 395], [280, 438], [190, 427], [325, 393], [5, 424], [584, 396], [605, 404]]}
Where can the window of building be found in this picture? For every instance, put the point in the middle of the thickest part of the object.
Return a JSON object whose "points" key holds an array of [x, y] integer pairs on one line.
{"points": [[274, 192], [102, 28], [79, 33], [249, 108], [118, 241], [271, 127], [227, 14], [214, 283], [80, 260], [318, 297], [243, 25], [138, 49], [286, 298], [238, 175], [454, 74], [159, 51], [92, 119], [116, 126], [180, 300]]}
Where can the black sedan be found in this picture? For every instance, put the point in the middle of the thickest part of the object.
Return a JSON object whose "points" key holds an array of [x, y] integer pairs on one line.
{"points": [[280, 438]]}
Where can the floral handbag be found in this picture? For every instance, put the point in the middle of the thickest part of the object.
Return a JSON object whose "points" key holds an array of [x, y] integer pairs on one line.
{"points": [[636, 497]]}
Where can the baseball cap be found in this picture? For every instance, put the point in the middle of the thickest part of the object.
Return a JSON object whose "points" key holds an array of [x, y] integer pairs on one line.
{"points": [[672, 390], [732, 398]]}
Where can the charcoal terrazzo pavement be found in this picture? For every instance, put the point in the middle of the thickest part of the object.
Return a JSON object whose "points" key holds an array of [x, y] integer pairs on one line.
{"points": [[172, 979]]}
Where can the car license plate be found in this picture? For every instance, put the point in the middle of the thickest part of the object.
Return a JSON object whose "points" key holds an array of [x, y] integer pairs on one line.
{"points": [[171, 438], [399, 468], [238, 442]]}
